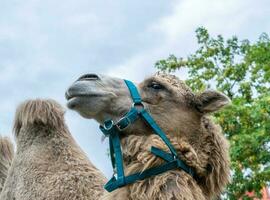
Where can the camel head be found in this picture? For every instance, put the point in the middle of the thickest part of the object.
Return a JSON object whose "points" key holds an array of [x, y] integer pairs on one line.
{"points": [[169, 100], [179, 112]]}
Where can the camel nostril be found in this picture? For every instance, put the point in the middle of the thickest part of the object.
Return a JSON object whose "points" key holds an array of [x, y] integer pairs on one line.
{"points": [[89, 77]]}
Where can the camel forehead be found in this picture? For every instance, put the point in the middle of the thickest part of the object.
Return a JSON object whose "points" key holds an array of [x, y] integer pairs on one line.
{"points": [[174, 82]]}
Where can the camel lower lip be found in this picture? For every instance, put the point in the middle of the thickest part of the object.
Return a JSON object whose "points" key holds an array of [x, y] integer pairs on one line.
{"points": [[78, 100], [82, 95], [71, 98], [71, 102]]}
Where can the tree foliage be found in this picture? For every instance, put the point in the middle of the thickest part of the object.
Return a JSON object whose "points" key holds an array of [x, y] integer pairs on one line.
{"points": [[241, 70]]}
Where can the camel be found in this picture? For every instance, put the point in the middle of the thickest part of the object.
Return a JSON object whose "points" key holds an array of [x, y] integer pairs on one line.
{"points": [[6, 156], [181, 114], [48, 164]]}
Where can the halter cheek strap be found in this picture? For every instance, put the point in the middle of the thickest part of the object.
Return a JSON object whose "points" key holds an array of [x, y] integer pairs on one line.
{"points": [[112, 130]]}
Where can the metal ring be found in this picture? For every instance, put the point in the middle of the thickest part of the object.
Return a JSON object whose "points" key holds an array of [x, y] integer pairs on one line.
{"points": [[111, 123], [138, 105]]}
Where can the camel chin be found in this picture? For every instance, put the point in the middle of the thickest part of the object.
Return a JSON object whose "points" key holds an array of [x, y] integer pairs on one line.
{"points": [[85, 106]]}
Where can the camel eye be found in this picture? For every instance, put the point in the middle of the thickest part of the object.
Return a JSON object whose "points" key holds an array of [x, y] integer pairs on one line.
{"points": [[156, 86]]}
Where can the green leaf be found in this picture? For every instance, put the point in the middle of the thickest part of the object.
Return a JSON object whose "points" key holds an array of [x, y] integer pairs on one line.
{"points": [[241, 70]]}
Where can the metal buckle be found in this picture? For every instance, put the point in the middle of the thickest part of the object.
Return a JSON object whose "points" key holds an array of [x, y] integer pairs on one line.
{"points": [[118, 126], [108, 125], [138, 106]]}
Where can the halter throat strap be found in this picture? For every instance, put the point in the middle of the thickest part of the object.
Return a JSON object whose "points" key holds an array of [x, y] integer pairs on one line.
{"points": [[112, 130]]}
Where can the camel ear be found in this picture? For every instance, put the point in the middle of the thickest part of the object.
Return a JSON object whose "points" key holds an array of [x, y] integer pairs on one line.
{"points": [[211, 101]]}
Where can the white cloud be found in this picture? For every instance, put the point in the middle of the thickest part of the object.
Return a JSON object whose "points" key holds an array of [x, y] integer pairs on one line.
{"points": [[230, 17], [135, 68], [189, 14]]}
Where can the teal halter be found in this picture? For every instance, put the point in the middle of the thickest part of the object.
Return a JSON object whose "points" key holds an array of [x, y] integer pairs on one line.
{"points": [[112, 130]]}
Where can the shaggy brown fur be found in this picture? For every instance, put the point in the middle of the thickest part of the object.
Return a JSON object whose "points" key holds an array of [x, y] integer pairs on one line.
{"points": [[199, 142], [6, 156], [48, 163], [174, 184]]}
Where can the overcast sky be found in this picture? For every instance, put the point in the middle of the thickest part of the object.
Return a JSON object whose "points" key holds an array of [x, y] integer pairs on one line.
{"points": [[46, 45]]}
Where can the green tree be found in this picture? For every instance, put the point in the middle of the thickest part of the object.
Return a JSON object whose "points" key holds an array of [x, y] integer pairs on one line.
{"points": [[241, 70]]}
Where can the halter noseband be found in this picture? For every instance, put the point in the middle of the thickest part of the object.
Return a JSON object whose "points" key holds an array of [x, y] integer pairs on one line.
{"points": [[112, 130]]}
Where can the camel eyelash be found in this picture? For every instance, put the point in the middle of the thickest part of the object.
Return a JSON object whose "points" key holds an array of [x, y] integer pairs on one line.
{"points": [[156, 86]]}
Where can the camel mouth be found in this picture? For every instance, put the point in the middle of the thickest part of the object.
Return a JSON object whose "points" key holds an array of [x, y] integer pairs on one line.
{"points": [[75, 100], [72, 102], [70, 97]]}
